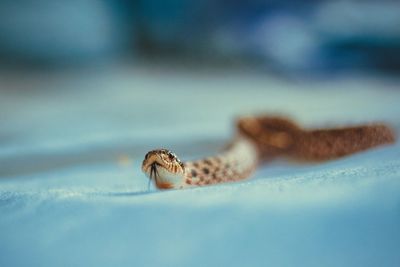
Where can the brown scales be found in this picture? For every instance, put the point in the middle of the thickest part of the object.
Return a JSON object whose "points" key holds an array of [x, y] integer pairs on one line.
{"points": [[277, 136], [260, 138], [211, 171]]}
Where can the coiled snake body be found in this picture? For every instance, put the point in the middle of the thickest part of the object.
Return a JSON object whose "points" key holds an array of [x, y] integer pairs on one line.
{"points": [[258, 139]]}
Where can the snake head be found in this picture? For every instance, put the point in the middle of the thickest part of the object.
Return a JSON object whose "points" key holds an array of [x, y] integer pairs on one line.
{"points": [[164, 167]]}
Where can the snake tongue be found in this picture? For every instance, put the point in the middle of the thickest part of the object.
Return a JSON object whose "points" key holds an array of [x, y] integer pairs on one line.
{"points": [[153, 171]]}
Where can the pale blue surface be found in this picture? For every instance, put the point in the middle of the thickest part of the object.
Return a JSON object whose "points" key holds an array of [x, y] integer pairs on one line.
{"points": [[71, 191]]}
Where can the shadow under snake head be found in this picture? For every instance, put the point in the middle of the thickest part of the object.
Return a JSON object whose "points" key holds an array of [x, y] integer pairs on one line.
{"points": [[164, 167]]}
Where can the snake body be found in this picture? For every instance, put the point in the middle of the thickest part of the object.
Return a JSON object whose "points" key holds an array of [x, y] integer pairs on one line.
{"points": [[260, 138], [236, 162]]}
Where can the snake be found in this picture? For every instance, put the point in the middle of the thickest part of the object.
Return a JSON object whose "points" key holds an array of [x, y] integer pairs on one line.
{"points": [[258, 139]]}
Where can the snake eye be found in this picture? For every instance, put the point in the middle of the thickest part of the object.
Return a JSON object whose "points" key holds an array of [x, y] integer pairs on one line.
{"points": [[171, 156]]}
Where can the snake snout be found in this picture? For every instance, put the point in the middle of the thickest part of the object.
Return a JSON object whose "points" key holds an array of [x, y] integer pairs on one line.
{"points": [[152, 160]]}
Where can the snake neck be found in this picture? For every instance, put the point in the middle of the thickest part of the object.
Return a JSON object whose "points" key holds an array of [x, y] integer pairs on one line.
{"points": [[238, 161]]}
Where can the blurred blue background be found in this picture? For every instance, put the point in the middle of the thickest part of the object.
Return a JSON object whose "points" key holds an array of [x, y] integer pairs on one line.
{"points": [[287, 36], [87, 87]]}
